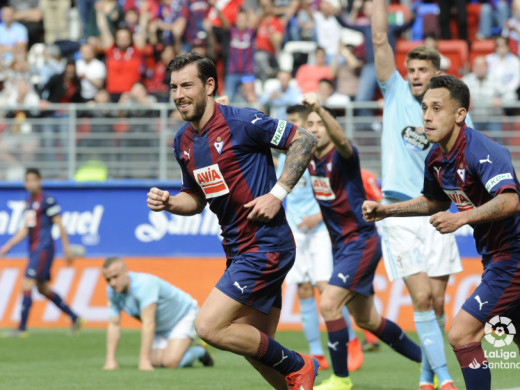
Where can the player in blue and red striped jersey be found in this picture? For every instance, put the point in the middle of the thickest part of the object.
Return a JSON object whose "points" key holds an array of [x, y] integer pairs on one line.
{"points": [[338, 188], [225, 157], [477, 174], [192, 15], [41, 213]]}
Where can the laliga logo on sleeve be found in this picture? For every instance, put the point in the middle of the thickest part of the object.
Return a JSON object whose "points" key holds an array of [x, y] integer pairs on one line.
{"points": [[499, 331]]}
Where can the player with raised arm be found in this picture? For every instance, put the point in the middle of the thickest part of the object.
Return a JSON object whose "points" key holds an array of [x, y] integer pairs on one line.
{"points": [[166, 313], [474, 172], [41, 213], [225, 157], [412, 249], [338, 188]]}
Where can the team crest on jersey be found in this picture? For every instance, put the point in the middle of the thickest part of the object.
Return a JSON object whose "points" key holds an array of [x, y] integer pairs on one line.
{"points": [[461, 172], [30, 218], [414, 138], [322, 189], [219, 144], [313, 165], [460, 199], [329, 166], [211, 180]]}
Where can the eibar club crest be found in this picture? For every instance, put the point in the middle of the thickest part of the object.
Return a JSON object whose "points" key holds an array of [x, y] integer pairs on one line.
{"points": [[461, 172], [219, 144]]}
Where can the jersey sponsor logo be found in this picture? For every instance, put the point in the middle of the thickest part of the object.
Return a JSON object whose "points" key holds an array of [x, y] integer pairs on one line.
{"points": [[415, 138], [460, 199], [322, 189], [497, 179], [211, 180], [187, 153], [218, 145], [30, 218], [277, 137], [437, 171]]}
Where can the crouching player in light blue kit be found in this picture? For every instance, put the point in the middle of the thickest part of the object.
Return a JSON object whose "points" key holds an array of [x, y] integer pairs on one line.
{"points": [[474, 172], [166, 313]]}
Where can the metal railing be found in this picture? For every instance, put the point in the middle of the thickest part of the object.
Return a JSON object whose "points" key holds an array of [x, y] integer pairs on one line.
{"points": [[135, 141]]}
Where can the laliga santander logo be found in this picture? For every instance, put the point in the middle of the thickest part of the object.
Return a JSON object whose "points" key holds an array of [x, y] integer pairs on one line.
{"points": [[499, 331]]}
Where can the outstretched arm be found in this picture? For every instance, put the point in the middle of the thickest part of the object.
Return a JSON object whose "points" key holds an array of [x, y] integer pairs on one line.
{"points": [[147, 334], [374, 211], [18, 237], [334, 130], [113, 334], [384, 56]]}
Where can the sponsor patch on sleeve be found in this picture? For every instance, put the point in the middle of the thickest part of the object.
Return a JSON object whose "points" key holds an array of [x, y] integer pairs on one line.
{"points": [[277, 137], [497, 179], [53, 210], [322, 188], [211, 180]]}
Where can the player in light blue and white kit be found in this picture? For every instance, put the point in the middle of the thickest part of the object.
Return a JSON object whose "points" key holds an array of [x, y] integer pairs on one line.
{"points": [[166, 313], [313, 264], [412, 248]]}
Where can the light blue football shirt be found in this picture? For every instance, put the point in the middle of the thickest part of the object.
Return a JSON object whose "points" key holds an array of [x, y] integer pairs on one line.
{"points": [[404, 145], [300, 202], [172, 303]]}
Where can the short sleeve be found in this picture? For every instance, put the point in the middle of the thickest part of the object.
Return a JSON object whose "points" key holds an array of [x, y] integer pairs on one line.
{"points": [[51, 207], [267, 131], [148, 292], [390, 85], [113, 308], [495, 169]]}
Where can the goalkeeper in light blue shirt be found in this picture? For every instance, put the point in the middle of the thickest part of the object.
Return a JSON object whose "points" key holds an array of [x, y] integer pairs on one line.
{"points": [[166, 313]]}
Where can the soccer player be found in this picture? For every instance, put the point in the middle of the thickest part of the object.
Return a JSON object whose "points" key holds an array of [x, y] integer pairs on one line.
{"points": [[225, 157], [41, 213], [313, 264], [338, 188], [412, 249], [477, 174], [166, 313]]}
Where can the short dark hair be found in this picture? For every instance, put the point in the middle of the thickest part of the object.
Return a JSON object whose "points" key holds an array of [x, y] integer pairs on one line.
{"points": [[111, 260], [299, 109], [459, 91], [206, 68], [327, 81], [426, 54], [34, 171]]}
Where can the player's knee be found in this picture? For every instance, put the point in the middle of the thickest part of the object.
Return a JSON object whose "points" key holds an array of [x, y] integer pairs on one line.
{"points": [[305, 291], [171, 362], [206, 331], [438, 305], [422, 300], [328, 308]]}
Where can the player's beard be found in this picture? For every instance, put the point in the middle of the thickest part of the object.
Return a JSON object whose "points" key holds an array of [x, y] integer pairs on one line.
{"points": [[199, 106]]}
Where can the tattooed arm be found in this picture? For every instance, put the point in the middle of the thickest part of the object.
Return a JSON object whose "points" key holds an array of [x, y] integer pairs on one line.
{"points": [[299, 154], [502, 206], [373, 211]]}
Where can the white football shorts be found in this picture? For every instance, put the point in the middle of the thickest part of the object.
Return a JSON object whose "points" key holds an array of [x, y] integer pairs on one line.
{"points": [[412, 245], [184, 329], [313, 257]]}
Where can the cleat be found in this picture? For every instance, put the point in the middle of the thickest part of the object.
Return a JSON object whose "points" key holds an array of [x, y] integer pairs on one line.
{"points": [[207, 359], [426, 386], [77, 324], [322, 361], [355, 355], [303, 379], [448, 385], [370, 347], [335, 383], [16, 333]]}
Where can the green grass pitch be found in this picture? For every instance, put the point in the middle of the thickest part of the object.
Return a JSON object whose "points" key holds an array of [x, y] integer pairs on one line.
{"points": [[51, 360]]}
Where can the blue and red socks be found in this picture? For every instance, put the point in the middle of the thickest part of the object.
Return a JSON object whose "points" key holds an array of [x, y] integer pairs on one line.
{"points": [[393, 335], [26, 307], [275, 355], [474, 365], [56, 299], [338, 346]]}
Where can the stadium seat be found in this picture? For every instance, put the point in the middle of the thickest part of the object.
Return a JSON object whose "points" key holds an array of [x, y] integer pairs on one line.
{"points": [[473, 11]]}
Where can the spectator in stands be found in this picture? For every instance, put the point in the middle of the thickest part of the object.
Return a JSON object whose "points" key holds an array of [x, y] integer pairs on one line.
{"points": [[302, 26], [486, 96], [112, 14], [330, 98], [281, 97], [167, 27], [433, 43], [91, 71], [445, 7], [61, 88], [269, 37], [493, 16], [55, 20], [309, 75], [240, 66], [19, 67], [346, 68], [12, 33], [504, 69], [29, 13], [45, 62], [86, 9], [123, 56], [328, 28], [157, 79], [511, 28], [192, 16]]}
